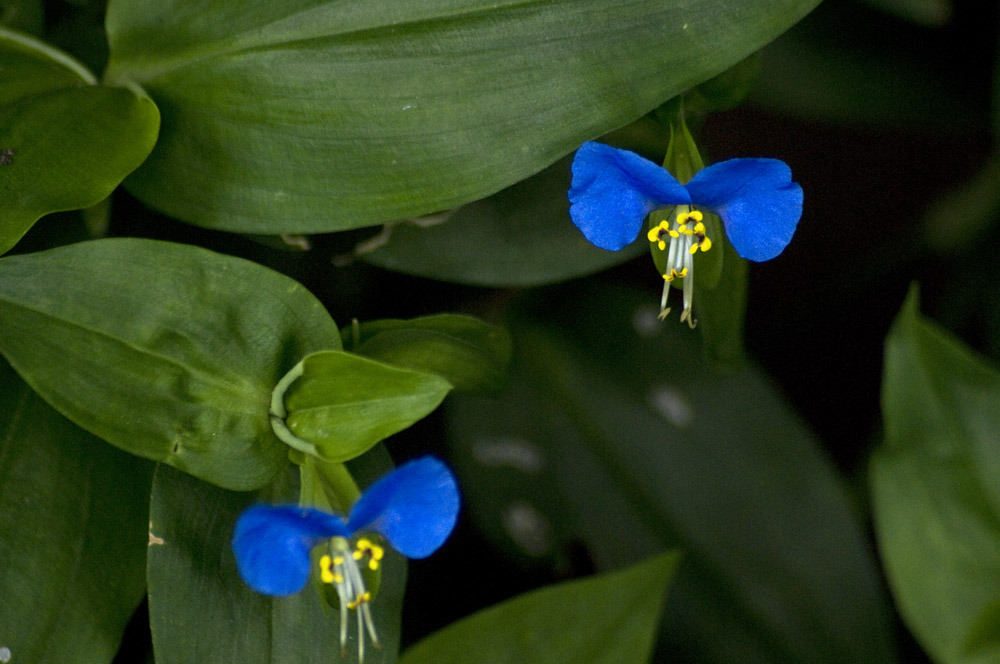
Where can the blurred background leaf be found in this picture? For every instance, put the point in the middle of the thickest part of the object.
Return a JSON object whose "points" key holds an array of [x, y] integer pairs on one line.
{"points": [[318, 116], [65, 143], [615, 435], [22, 15], [201, 611], [167, 351], [935, 496], [73, 516], [608, 619]]}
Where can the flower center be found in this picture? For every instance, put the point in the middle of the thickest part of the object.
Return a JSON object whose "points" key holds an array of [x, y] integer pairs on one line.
{"points": [[340, 567], [685, 237]]}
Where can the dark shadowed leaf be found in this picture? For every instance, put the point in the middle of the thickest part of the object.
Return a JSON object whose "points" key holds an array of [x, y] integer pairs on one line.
{"points": [[616, 432], [73, 513]]}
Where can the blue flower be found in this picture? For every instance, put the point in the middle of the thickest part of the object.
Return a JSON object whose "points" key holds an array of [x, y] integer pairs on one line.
{"points": [[614, 190], [414, 508]]}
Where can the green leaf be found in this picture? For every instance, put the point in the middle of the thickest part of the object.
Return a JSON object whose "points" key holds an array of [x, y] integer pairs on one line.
{"points": [[201, 611], [465, 351], [615, 432], [64, 143], [315, 115], [73, 515], [934, 491], [167, 351], [341, 404], [608, 619], [24, 15], [521, 236]]}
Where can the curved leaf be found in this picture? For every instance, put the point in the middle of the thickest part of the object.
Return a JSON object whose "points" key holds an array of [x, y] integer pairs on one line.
{"points": [[64, 143], [314, 115], [934, 490], [608, 619], [167, 351]]}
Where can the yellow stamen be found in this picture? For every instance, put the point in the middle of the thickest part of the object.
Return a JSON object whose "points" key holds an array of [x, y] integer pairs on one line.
{"points": [[675, 274], [324, 570]]}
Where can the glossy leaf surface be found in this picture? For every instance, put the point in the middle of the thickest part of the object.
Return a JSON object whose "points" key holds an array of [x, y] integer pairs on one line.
{"points": [[935, 495], [314, 115], [607, 619], [167, 351], [73, 513], [64, 142]]}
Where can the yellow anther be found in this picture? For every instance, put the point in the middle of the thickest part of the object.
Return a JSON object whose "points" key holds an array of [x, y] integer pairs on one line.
{"points": [[705, 244], [360, 598], [675, 274], [325, 572], [655, 234], [699, 228], [338, 561], [373, 564], [357, 554], [684, 217]]}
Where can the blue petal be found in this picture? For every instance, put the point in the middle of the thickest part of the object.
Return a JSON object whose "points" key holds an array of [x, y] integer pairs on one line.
{"points": [[272, 545], [757, 200], [414, 507], [612, 192]]}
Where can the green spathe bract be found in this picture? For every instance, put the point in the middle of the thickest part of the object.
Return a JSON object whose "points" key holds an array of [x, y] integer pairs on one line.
{"points": [[337, 405]]}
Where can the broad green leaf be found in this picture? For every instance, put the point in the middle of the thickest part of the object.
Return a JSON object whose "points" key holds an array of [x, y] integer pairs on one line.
{"points": [[343, 404], [315, 115], [201, 611], [64, 143], [165, 350], [935, 494], [607, 619], [73, 514], [617, 433], [521, 236], [468, 353]]}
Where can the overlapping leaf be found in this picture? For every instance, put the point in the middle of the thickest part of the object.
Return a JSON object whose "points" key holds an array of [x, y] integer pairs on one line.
{"points": [[65, 143], [313, 115], [72, 534], [167, 351]]}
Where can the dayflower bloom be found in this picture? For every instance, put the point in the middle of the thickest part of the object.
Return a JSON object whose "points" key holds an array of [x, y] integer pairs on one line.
{"points": [[613, 191], [414, 508]]}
